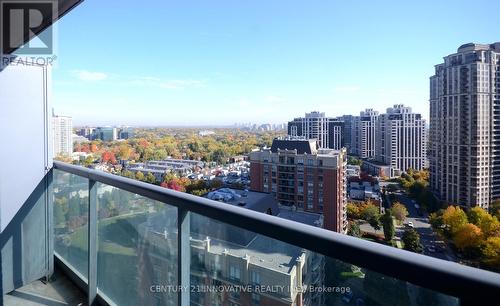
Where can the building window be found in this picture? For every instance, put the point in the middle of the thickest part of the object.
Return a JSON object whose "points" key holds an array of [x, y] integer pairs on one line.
{"points": [[234, 295], [217, 300], [310, 162], [254, 278], [255, 299], [234, 273]]}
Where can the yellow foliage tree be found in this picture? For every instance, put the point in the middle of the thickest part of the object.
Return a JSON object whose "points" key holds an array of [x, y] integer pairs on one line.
{"points": [[454, 217], [490, 225], [491, 251], [468, 235]]}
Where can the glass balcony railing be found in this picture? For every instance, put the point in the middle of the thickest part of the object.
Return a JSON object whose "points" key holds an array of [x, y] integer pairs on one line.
{"points": [[132, 243]]}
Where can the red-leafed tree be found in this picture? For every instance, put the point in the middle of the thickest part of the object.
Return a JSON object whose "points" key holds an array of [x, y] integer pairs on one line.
{"points": [[174, 185], [108, 157]]}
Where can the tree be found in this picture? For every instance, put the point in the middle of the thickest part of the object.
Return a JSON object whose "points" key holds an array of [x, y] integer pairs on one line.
{"points": [[128, 173], [108, 157], [354, 229], [490, 226], [399, 212], [195, 186], [476, 214], [370, 212], [139, 176], [495, 208], [216, 184], [352, 210], [454, 218], [351, 160], [491, 252], [88, 161], [150, 178], [436, 219], [124, 152], [372, 215], [487, 223], [375, 222], [388, 225], [93, 147], [411, 241], [467, 236], [199, 192], [60, 210], [173, 184]]}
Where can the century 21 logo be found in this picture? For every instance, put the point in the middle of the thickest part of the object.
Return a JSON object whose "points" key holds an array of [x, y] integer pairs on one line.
{"points": [[22, 24]]}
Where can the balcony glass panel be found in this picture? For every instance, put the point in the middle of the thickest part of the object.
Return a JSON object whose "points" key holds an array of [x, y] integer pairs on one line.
{"points": [[71, 198], [287, 274], [137, 248]]}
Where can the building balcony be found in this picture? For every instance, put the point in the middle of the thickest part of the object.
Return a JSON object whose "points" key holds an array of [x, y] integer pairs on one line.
{"points": [[125, 242]]}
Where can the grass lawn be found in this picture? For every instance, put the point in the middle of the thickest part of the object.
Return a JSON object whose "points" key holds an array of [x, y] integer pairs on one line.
{"points": [[347, 275]]}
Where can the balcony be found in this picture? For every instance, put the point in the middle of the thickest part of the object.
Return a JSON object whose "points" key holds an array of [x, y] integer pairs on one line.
{"points": [[126, 242]]}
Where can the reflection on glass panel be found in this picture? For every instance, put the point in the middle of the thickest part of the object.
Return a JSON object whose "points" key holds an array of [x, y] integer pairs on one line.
{"points": [[137, 248], [70, 219], [230, 265]]}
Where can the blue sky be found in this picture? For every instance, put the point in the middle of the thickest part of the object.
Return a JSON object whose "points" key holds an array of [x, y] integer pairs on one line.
{"points": [[221, 62]]}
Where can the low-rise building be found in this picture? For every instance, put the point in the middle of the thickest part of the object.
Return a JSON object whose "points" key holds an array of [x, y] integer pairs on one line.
{"points": [[159, 168], [298, 173], [226, 256]]}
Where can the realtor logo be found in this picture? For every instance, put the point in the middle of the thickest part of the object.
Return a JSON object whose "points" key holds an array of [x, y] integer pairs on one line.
{"points": [[22, 23]]}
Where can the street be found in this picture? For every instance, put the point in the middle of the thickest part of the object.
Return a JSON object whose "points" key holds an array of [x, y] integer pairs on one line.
{"points": [[421, 224]]}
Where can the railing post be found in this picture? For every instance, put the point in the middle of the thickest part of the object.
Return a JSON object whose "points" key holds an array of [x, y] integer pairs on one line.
{"points": [[183, 256], [49, 201], [92, 243]]}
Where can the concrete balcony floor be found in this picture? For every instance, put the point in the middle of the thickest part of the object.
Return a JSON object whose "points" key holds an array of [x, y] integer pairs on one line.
{"points": [[58, 292]]}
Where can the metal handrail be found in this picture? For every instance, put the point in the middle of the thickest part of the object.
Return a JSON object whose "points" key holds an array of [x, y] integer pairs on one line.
{"points": [[439, 275]]}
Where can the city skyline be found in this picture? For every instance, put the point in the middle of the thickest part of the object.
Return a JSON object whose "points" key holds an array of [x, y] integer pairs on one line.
{"points": [[244, 62]]}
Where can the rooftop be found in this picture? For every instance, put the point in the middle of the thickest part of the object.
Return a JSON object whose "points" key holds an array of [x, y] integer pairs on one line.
{"points": [[301, 145], [254, 200]]}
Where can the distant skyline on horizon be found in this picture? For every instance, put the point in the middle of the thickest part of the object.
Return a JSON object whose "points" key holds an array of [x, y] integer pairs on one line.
{"points": [[216, 63]]}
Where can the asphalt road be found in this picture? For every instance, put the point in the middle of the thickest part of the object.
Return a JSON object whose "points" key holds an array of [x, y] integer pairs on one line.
{"points": [[421, 224]]}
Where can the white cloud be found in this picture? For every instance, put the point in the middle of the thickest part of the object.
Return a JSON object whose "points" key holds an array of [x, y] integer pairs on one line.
{"points": [[85, 75]]}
